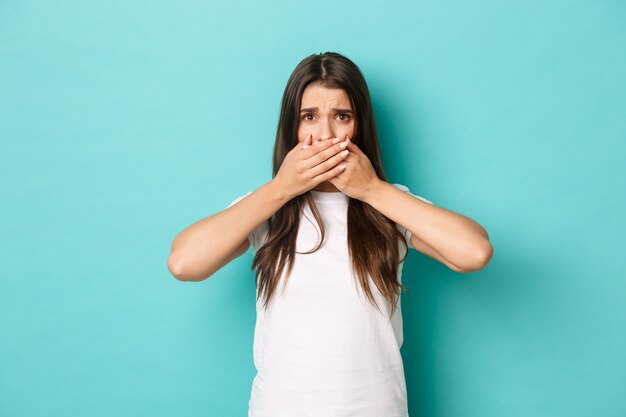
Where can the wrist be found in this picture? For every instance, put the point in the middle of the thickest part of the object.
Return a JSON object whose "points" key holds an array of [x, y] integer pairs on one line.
{"points": [[278, 191], [374, 190]]}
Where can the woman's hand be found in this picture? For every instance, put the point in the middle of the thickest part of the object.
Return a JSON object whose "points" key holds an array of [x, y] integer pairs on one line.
{"points": [[359, 176], [307, 165]]}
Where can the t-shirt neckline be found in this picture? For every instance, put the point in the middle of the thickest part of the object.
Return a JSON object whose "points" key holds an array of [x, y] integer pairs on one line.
{"points": [[329, 196]]}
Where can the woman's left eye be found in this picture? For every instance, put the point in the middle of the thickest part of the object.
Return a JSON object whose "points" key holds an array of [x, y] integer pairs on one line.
{"points": [[347, 116]]}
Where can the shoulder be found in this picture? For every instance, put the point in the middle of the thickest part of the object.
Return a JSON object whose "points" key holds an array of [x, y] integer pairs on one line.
{"points": [[406, 189], [400, 186]]}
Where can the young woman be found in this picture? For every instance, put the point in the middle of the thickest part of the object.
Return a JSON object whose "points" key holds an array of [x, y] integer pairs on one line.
{"points": [[329, 236]]}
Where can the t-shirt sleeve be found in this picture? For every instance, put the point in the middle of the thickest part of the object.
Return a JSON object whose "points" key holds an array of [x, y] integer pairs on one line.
{"points": [[257, 234], [406, 232]]}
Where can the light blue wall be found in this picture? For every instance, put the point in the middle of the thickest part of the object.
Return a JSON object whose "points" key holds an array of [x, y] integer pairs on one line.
{"points": [[124, 122]]}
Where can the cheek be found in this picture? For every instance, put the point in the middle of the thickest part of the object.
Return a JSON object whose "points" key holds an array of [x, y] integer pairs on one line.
{"points": [[350, 130], [303, 132]]}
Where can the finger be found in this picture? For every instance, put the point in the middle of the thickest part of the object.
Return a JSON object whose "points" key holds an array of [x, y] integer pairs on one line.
{"points": [[314, 148], [307, 141], [324, 176], [330, 163], [325, 154], [354, 148]]}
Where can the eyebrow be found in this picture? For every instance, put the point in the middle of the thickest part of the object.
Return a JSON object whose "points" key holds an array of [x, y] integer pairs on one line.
{"points": [[308, 109]]}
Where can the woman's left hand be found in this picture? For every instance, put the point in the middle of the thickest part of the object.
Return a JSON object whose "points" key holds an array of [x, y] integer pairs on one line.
{"points": [[359, 176]]}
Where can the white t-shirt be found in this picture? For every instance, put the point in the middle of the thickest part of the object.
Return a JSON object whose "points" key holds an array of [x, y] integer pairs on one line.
{"points": [[321, 349]]}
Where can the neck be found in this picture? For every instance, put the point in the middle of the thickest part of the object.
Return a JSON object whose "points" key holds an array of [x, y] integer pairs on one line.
{"points": [[325, 186]]}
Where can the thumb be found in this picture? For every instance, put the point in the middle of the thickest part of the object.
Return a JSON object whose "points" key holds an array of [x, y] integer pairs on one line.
{"points": [[353, 148], [307, 141]]}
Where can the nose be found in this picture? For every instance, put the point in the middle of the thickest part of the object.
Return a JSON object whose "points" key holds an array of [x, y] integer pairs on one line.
{"points": [[325, 131]]}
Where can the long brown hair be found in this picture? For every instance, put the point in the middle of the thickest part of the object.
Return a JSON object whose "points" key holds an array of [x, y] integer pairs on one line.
{"points": [[372, 237]]}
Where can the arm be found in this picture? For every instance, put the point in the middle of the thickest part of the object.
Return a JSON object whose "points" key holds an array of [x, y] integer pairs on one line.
{"points": [[209, 244], [453, 239]]}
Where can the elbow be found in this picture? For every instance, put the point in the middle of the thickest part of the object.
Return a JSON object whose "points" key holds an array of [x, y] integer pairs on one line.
{"points": [[487, 254], [181, 273], [481, 259], [175, 267]]}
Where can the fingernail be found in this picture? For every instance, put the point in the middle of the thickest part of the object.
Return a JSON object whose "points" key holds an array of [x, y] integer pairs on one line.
{"points": [[344, 153], [343, 145], [336, 140]]}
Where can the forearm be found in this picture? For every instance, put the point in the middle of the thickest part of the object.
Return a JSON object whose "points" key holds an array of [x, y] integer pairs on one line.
{"points": [[457, 238], [199, 250]]}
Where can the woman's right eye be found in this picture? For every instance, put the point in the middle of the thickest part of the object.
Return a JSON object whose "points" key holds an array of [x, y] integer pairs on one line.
{"points": [[307, 115]]}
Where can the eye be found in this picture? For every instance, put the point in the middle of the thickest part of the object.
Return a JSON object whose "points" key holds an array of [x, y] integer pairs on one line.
{"points": [[345, 116], [306, 115]]}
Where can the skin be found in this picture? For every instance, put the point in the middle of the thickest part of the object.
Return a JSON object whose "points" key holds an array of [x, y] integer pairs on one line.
{"points": [[315, 163], [451, 238], [325, 122]]}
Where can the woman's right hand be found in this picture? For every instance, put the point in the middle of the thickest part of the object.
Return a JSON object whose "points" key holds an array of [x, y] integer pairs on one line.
{"points": [[307, 165]]}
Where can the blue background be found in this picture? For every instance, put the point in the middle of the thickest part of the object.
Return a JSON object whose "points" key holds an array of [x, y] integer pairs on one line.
{"points": [[124, 122]]}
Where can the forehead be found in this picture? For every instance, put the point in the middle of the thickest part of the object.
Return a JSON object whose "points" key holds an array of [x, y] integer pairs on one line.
{"points": [[316, 94]]}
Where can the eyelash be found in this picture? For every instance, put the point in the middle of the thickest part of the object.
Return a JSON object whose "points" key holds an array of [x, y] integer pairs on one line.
{"points": [[340, 114]]}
